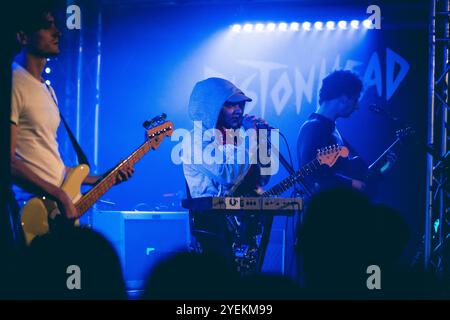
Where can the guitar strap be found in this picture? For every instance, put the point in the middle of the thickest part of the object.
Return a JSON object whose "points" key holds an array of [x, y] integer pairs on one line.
{"points": [[81, 156]]}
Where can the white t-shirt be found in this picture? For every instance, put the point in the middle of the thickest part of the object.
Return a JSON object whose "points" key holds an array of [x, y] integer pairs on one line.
{"points": [[36, 115]]}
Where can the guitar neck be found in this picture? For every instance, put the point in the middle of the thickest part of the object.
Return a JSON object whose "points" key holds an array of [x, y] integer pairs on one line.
{"points": [[107, 182], [290, 181], [379, 162]]}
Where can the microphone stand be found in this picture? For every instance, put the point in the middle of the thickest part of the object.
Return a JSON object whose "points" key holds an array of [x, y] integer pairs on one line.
{"points": [[397, 121]]}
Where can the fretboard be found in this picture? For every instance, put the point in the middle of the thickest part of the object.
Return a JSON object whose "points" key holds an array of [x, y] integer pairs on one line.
{"points": [[107, 182], [290, 181]]}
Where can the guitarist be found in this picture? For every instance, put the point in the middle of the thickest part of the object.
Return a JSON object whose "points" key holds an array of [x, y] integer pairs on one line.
{"points": [[36, 164], [338, 98]]}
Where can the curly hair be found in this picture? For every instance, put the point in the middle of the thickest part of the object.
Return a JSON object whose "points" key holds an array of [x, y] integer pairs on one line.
{"points": [[338, 83]]}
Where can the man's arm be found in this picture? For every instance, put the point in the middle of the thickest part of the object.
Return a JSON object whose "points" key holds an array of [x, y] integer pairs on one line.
{"points": [[312, 138], [20, 172], [122, 175]]}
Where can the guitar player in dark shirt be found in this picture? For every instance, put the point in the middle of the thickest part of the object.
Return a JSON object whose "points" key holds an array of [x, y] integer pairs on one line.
{"points": [[338, 98]]}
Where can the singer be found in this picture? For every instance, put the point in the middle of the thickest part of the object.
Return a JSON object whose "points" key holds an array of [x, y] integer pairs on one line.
{"points": [[216, 103]]}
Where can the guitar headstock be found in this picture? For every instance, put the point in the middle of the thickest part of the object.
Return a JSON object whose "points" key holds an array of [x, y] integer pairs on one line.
{"points": [[157, 129], [329, 155]]}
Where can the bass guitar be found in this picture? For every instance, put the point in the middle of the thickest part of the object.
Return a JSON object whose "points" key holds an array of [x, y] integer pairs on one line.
{"points": [[40, 214]]}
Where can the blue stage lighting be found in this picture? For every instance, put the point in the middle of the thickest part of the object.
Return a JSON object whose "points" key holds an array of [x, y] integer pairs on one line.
{"points": [[248, 27], [282, 26], [342, 24], [354, 24], [48, 70], [367, 24], [306, 25], [236, 27], [259, 27], [294, 26], [330, 25], [318, 25], [271, 26]]}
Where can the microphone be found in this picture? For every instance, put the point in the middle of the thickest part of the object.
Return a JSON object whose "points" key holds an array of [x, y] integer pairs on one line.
{"points": [[258, 122], [262, 125]]}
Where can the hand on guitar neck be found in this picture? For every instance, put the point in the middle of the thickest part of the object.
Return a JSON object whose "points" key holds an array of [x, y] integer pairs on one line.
{"points": [[363, 177], [122, 175]]}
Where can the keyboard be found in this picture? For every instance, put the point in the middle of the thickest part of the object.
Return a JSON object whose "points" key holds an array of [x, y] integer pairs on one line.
{"points": [[232, 205]]}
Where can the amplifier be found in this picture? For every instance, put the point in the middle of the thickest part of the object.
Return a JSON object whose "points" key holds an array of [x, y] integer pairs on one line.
{"points": [[142, 239]]}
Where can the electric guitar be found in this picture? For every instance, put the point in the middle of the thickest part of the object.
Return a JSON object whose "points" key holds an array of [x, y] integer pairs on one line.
{"points": [[356, 168], [325, 156], [40, 214], [250, 255]]}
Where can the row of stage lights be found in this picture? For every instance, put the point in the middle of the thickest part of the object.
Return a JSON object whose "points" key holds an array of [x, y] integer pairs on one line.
{"points": [[47, 71], [296, 26]]}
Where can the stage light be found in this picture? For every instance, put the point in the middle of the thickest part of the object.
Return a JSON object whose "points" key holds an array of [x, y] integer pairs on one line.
{"points": [[271, 26], [330, 25], [367, 24], [318, 25], [294, 26], [354, 24], [47, 82], [48, 59], [342, 24], [282, 26], [259, 27], [48, 70], [306, 25], [236, 28], [248, 27]]}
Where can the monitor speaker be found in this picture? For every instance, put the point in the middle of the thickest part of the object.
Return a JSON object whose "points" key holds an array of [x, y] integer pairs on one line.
{"points": [[142, 239]]}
